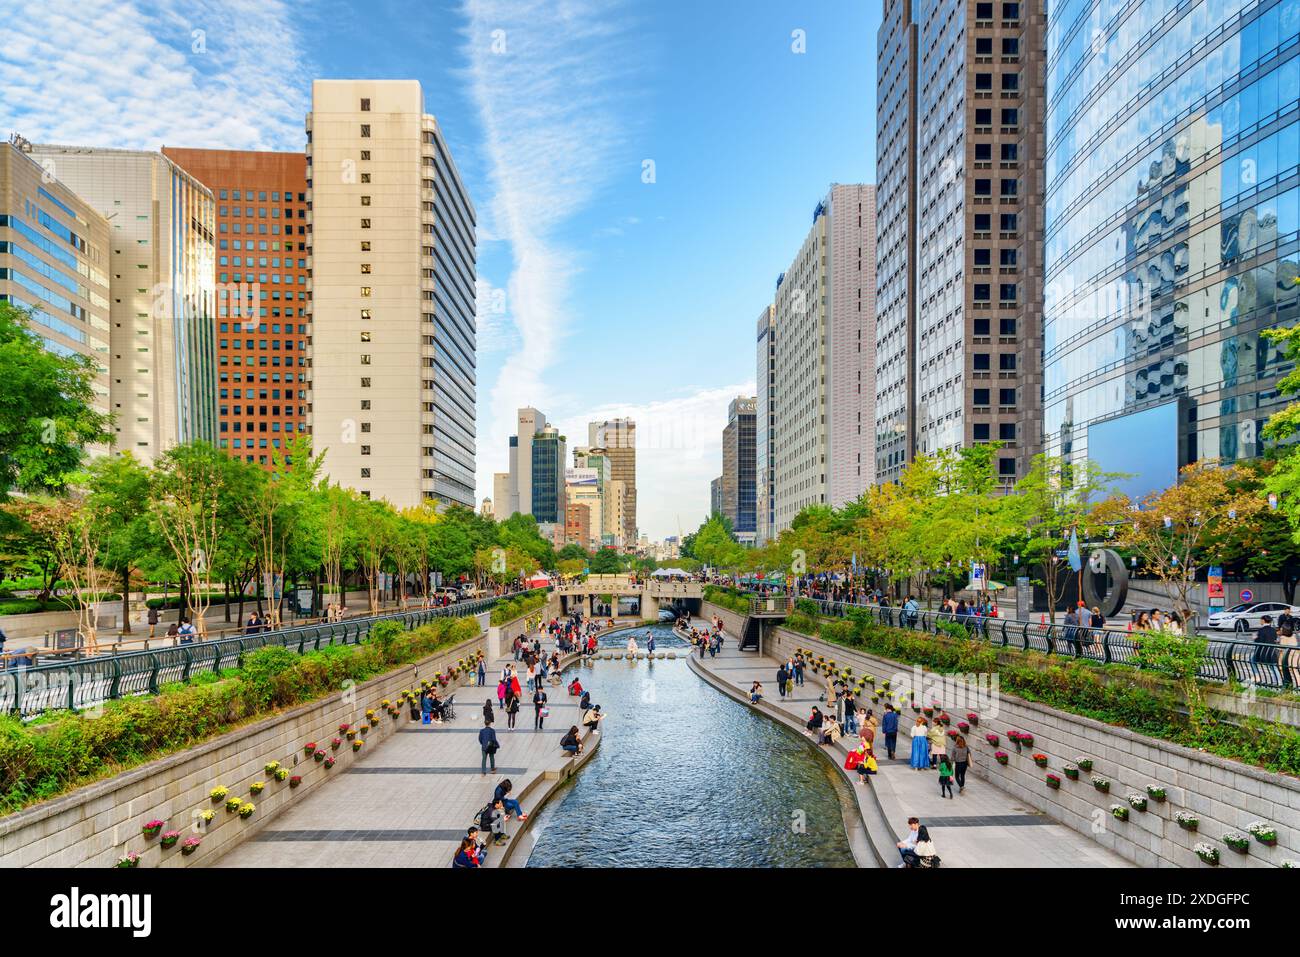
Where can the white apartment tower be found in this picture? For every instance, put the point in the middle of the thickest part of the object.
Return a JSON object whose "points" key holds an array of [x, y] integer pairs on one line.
{"points": [[822, 332], [392, 252]]}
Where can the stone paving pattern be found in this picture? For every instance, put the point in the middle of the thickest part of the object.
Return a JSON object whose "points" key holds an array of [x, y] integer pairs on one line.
{"points": [[408, 802]]}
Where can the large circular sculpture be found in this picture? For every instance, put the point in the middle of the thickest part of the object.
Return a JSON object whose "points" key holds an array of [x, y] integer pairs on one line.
{"points": [[1105, 581]]}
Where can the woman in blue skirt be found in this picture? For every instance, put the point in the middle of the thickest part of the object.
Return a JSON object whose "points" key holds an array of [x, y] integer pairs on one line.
{"points": [[920, 746]]}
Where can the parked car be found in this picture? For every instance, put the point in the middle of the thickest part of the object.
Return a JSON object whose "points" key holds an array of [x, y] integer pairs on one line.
{"points": [[1248, 616]]}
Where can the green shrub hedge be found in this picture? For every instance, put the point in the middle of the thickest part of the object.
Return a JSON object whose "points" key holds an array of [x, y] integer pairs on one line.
{"points": [[727, 598], [512, 608], [30, 606], [66, 750]]}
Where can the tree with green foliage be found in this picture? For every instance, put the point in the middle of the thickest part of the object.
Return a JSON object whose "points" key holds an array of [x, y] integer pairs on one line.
{"points": [[188, 492], [117, 492], [715, 546], [1054, 500], [573, 551], [607, 561], [47, 416]]}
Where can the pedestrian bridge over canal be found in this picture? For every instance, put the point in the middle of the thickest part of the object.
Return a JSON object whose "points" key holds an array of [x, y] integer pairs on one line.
{"points": [[620, 597]]}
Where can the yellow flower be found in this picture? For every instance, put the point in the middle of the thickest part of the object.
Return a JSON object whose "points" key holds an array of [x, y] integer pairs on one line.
{"points": [[218, 793]]}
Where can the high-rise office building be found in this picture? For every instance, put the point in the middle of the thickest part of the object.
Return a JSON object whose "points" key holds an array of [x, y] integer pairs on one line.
{"points": [[586, 497], [501, 495], [577, 526], [549, 494], [739, 465], [851, 344], [528, 423], [609, 529], [959, 167], [261, 283], [392, 249], [54, 261], [618, 438], [823, 311], [896, 121], [161, 265], [764, 417], [1172, 158], [715, 496]]}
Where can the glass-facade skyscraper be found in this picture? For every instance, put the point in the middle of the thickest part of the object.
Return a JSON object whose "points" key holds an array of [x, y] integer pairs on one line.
{"points": [[1172, 154], [548, 486]]}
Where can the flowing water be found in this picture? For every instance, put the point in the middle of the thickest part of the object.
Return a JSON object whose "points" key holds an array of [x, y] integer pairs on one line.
{"points": [[687, 777]]}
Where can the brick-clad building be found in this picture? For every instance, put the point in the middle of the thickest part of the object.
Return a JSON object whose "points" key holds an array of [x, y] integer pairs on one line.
{"points": [[261, 309]]}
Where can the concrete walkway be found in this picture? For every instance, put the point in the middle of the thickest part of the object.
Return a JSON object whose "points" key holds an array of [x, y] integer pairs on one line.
{"points": [[982, 827], [408, 802]]}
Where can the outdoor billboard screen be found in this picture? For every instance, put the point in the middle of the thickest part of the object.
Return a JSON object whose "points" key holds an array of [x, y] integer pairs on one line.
{"points": [[1143, 444]]}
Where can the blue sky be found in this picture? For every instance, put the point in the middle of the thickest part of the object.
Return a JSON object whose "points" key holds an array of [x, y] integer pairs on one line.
{"points": [[621, 296]]}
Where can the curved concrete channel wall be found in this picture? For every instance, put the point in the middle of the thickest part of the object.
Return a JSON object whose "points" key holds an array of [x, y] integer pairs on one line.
{"points": [[1223, 795]]}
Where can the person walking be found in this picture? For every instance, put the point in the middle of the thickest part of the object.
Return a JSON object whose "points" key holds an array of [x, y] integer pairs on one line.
{"points": [[1070, 632], [152, 619], [938, 742], [889, 725], [960, 761], [512, 709], [487, 741], [501, 693], [540, 709], [799, 665], [945, 777], [1290, 658], [849, 708], [482, 672], [782, 676], [920, 746], [488, 716], [1266, 643]]}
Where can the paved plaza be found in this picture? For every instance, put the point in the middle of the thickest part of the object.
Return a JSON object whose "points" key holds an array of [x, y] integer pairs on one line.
{"points": [[409, 801]]}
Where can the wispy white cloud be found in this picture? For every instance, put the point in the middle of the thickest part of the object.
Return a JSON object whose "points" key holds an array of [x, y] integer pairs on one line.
{"points": [[678, 453], [496, 329], [137, 74], [549, 81]]}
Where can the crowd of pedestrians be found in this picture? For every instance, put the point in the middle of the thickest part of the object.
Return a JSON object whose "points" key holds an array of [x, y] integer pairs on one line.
{"points": [[531, 671]]}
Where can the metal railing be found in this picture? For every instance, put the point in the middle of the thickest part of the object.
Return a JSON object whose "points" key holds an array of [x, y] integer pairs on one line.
{"points": [[88, 682], [1226, 659], [770, 606]]}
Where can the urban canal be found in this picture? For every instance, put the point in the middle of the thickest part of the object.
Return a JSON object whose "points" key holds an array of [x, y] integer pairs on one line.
{"points": [[686, 777]]}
